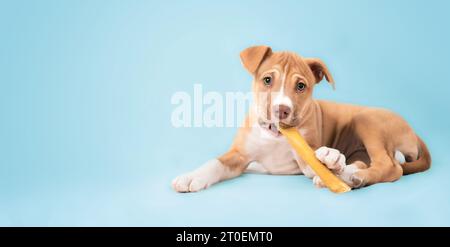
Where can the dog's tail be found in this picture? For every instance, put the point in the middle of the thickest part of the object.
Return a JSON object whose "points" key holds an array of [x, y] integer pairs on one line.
{"points": [[423, 163]]}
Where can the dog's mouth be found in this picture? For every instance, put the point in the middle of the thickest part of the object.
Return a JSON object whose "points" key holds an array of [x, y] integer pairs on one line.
{"points": [[272, 127]]}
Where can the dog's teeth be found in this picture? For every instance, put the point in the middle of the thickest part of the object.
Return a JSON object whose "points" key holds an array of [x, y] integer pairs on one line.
{"points": [[271, 127]]}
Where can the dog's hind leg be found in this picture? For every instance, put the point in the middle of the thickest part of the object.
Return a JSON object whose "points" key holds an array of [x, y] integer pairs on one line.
{"points": [[383, 166], [356, 161], [381, 169]]}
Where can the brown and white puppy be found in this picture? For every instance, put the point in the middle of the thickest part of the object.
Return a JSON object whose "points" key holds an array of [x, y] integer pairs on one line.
{"points": [[362, 145]]}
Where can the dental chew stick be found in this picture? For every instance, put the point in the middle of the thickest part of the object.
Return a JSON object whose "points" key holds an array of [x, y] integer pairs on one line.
{"points": [[302, 148]]}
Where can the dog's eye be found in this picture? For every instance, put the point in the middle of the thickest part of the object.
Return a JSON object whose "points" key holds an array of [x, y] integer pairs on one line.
{"points": [[267, 81], [300, 86]]}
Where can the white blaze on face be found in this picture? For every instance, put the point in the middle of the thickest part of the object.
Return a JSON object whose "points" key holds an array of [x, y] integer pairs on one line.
{"points": [[280, 97]]}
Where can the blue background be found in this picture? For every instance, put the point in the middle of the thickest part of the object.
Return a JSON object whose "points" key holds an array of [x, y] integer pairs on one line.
{"points": [[85, 131]]}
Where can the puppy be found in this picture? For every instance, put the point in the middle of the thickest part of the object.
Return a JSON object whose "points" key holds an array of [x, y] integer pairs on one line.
{"points": [[361, 145]]}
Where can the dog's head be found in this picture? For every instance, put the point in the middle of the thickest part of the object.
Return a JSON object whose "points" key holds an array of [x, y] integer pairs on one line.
{"points": [[283, 84]]}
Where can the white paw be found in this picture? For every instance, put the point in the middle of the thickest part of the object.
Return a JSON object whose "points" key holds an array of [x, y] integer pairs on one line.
{"points": [[349, 177], [308, 172], [189, 183], [332, 158], [317, 181]]}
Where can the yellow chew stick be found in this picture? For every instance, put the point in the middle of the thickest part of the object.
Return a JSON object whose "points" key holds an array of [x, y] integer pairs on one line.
{"points": [[307, 154]]}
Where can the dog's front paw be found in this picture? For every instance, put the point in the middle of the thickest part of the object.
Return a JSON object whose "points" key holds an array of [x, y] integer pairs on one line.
{"points": [[317, 181], [332, 158], [189, 183]]}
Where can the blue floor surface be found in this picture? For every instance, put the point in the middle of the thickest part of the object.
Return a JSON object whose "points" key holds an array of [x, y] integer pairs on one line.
{"points": [[85, 100]]}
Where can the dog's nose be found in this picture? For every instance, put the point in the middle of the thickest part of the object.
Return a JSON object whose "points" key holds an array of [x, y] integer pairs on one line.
{"points": [[281, 111]]}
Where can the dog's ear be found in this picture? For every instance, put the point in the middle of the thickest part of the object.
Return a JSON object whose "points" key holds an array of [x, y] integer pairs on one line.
{"points": [[319, 70], [252, 57]]}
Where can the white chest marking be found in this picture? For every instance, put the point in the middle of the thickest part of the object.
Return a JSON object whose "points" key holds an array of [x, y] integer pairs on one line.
{"points": [[274, 154]]}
